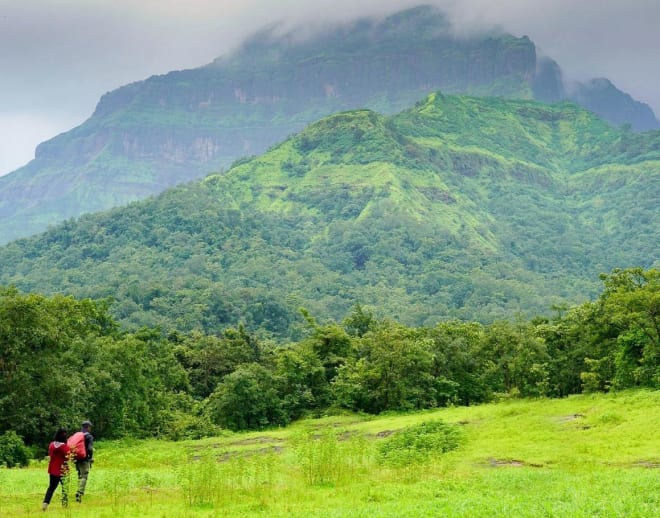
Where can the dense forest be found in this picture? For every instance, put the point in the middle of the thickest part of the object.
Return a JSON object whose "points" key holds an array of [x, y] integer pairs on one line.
{"points": [[458, 208], [63, 358]]}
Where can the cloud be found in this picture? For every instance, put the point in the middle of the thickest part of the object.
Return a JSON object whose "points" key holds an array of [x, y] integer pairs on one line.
{"points": [[20, 131], [590, 38], [57, 57]]}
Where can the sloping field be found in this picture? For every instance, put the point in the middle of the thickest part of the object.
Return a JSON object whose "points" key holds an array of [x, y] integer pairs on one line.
{"points": [[583, 456]]}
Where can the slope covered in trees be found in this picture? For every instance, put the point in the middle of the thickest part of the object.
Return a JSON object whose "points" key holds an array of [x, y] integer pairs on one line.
{"points": [[169, 129], [460, 207]]}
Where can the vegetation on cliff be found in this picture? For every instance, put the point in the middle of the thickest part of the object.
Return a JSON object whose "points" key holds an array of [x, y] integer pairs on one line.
{"points": [[460, 207], [170, 129]]}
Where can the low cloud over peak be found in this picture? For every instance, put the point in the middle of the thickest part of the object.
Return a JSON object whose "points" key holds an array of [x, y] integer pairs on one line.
{"points": [[58, 58]]}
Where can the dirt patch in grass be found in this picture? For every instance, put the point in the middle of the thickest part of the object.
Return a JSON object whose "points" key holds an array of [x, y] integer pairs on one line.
{"points": [[228, 455], [574, 419], [345, 436], [343, 424], [255, 440], [499, 463], [569, 418], [650, 464]]}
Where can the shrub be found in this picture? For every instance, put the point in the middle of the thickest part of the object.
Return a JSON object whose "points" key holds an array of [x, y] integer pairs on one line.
{"points": [[419, 443], [185, 426], [12, 450]]}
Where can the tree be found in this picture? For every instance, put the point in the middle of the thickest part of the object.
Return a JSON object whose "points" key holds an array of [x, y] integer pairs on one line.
{"points": [[517, 359], [392, 372], [573, 340], [246, 399], [208, 359], [631, 306], [128, 383], [39, 387], [457, 363], [301, 381], [359, 322], [330, 343]]}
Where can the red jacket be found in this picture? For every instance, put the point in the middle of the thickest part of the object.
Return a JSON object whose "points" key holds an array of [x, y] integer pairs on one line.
{"points": [[58, 452]]}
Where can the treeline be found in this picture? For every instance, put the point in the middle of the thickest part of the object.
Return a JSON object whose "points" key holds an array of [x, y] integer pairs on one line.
{"points": [[63, 359]]}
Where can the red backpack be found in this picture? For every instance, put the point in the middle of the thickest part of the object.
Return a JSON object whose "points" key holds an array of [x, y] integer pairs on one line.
{"points": [[77, 444]]}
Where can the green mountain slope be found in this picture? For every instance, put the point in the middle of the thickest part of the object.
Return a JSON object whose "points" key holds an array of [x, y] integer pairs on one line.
{"points": [[459, 207], [170, 129]]}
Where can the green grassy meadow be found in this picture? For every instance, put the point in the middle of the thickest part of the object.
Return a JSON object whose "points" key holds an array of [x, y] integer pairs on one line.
{"points": [[588, 455]]}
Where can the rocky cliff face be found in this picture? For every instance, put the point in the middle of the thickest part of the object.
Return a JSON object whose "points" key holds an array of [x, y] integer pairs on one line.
{"points": [[149, 135]]}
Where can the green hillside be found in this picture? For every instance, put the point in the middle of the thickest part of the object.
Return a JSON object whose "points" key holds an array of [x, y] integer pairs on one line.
{"points": [[461, 207], [150, 135]]}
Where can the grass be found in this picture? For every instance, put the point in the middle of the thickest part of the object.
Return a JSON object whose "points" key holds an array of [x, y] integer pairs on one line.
{"points": [[583, 456]]}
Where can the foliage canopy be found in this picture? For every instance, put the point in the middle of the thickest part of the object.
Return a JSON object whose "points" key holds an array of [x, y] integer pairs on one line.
{"points": [[467, 208]]}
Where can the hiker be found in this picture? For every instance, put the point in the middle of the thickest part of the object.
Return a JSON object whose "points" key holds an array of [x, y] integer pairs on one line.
{"points": [[82, 447], [58, 451]]}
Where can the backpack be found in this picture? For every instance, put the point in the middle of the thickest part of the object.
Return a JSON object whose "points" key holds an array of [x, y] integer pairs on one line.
{"points": [[77, 444]]}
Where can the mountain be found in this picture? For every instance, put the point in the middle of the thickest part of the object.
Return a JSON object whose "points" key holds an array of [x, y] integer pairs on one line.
{"points": [[601, 96], [460, 207], [170, 129]]}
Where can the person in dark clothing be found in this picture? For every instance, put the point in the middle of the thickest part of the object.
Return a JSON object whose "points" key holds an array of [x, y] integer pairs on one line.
{"points": [[85, 464], [58, 451]]}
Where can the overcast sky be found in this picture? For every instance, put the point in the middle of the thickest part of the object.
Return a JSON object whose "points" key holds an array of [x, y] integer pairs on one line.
{"points": [[57, 57]]}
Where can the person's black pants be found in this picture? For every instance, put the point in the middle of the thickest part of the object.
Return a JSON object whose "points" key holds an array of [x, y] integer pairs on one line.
{"points": [[54, 481]]}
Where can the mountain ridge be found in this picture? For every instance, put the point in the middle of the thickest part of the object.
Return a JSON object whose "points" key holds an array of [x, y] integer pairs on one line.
{"points": [[172, 128], [422, 215]]}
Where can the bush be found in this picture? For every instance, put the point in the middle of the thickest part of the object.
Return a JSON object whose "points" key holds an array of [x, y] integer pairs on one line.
{"points": [[12, 450], [419, 443], [185, 426]]}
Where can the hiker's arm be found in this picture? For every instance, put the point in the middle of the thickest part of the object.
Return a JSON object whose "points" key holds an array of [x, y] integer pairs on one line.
{"points": [[89, 446]]}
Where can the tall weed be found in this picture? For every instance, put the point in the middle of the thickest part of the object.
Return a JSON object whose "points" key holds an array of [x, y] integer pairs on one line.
{"points": [[318, 456], [213, 480], [329, 457], [199, 480], [117, 485]]}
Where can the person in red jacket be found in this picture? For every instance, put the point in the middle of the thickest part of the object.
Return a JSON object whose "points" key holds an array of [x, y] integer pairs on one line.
{"points": [[58, 451]]}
